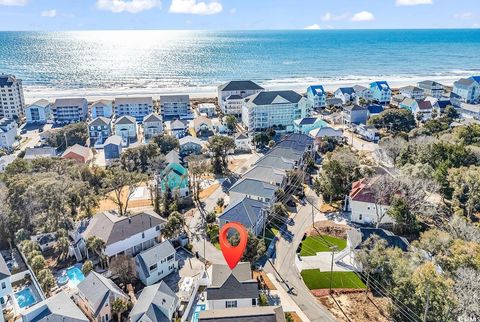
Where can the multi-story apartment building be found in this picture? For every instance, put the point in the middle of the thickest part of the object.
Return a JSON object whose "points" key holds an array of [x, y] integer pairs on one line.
{"points": [[431, 88], [12, 102], [273, 109], [174, 106], [102, 108], [138, 107], [38, 112], [316, 97], [8, 132], [231, 95], [69, 110]]}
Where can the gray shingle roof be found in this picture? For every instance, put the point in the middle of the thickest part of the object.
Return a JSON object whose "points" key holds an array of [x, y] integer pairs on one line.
{"points": [[59, 102], [266, 174], [112, 228], [133, 100], [32, 153], [244, 314], [114, 139], [228, 284], [245, 211], [276, 161], [58, 308], [289, 153], [152, 117], [354, 107], [100, 121], [101, 103], [267, 98], [97, 289], [464, 82], [359, 88], [326, 132], [346, 90], [429, 83], [4, 271], [240, 86], [172, 157], [154, 255], [152, 301], [189, 139], [42, 103], [241, 136], [358, 236], [126, 119], [254, 187]]}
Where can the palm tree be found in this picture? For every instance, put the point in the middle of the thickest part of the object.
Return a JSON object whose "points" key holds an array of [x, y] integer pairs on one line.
{"points": [[62, 246], [95, 244], [118, 307]]}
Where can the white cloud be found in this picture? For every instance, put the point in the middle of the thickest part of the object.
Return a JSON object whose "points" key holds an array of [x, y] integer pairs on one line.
{"points": [[132, 6], [233, 11], [312, 27], [49, 13], [328, 16], [195, 8], [13, 2], [463, 15], [413, 2], [363, 16]]}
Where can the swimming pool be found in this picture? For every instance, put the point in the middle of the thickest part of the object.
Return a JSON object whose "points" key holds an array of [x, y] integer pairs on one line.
{"points": [[198, 308], [75, 275], [25, 298]]}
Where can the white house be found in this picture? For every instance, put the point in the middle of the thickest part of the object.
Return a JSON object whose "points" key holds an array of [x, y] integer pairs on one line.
{"points": [[125, 235], [207, 109], [8, 132], [273, 109], [231, 288], [174, 106], [12, 102], [126, 128], [156, 303], [381, 92], [45, 241], [362, 92], [346, 94], [176, 128], [38, 112], [202, 124], [138, 107], [102, 108], [316, 97], [59, 307], [231, 95], [431, 88], [152, 126], [364, 209], [242, 142], [5, 282], [155, 263], [69, 110], [368, 132], [413, 92]]}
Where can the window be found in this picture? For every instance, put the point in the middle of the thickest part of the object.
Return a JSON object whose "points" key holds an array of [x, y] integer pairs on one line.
{"points": [[169, 258], [4, 286], [254, 302], [143, 235], [153, 267], [360, 217], [157, 228], [229, 304]]}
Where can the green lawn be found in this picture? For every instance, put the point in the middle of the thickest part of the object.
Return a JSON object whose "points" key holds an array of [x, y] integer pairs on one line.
{"points": [[314, 279], [312, 245]]}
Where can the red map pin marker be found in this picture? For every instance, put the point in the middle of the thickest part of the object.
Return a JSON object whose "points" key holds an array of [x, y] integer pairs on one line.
{"points": [[233, 254]]}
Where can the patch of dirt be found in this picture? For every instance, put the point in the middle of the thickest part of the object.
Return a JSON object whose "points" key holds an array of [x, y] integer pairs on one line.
{"points": [[328, 227], [295, 317], [356, 307], [205, 193], [235, 163], [144, 201], [262, 276]]}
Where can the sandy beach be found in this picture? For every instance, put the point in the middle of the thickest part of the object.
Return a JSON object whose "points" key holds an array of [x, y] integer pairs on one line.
{"points": [[34, 93]]}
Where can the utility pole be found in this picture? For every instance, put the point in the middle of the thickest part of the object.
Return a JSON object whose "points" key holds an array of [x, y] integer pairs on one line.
{"points": [[427, 304], [333, 249], [313, 216]]}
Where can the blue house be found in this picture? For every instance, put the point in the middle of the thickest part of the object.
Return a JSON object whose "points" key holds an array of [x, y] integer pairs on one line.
{"points": [[468, 89], [316, 97], [305, 125], [381, 92], [374, 110], [113, 147]]}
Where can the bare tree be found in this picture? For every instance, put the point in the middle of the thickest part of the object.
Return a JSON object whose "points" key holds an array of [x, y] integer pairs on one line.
{"points": [[198, 166], [383, 188], [467, 290], [390, 148]]}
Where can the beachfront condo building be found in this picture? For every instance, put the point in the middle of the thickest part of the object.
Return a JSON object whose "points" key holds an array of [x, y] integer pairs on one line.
{"points": [[102, 108], [273, 109], [38, 112], [69, 110], [468, 89], [431, 88], [8, 132], [174, 106], [316, 97], [137, 107], [232, 94], [381, 92], [12, 102]]}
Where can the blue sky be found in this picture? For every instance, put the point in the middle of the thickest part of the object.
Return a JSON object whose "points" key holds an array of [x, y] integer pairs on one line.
{"points": [[237, 14]]}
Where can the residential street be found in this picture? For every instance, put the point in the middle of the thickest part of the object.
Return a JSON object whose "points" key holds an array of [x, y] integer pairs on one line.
{"points": [[289, 276]]}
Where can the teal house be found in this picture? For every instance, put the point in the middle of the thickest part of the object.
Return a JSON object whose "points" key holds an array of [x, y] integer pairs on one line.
{"points": [[175, 177], [307, 124]]}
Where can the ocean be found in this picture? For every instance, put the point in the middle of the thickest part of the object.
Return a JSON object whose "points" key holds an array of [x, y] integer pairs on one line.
{"points": [[111, 63]]}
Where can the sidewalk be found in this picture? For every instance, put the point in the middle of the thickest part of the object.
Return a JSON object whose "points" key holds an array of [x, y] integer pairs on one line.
{"points": [[286, 301]]}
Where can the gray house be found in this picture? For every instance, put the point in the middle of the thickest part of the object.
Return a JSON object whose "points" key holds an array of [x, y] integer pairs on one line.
{"points": [[254, 189], [190, 145], [99, 130], [113, 147], [249, 212], [156, 263], [156, 303], [354, 115], [267, 174]]}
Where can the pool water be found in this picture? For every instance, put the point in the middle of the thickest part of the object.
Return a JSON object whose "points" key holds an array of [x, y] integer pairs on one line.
{"points": [[25, 298], [196, 313], [75, 275]]}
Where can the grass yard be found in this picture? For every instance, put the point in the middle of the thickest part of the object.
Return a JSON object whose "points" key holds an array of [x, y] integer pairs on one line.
{"points": [[314, 244], [315, 280]]}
